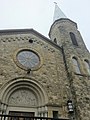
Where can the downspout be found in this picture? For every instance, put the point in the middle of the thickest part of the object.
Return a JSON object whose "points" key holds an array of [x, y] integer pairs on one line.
{"points": [[71, 90]]}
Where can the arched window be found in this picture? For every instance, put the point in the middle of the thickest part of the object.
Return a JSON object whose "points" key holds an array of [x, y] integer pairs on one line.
{"points": [[87, 64], [76, 65], [73, 38], [55, 40]]}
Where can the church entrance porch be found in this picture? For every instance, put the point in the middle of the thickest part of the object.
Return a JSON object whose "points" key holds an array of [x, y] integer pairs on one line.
{"points": [[23, 96]]}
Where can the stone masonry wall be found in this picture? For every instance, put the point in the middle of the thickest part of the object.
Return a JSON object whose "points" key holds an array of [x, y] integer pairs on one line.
{"points": [[51, 74], [79, 83]]}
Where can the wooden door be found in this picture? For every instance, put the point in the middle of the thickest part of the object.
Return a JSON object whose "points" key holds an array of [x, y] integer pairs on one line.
{"points": [[16, 113]]}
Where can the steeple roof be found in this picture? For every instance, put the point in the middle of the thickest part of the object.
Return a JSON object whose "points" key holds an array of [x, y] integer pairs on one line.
{"points": [[58, 13]]}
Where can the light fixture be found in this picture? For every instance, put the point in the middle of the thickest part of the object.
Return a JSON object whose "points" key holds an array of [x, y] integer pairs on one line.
{"points": [[70, 106]]}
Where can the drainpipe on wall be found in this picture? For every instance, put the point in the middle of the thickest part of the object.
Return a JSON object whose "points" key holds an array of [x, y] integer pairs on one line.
{"points": [[71, 90]]}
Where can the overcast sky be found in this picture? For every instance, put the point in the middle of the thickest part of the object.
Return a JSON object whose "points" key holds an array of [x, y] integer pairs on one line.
{"points": [[38, 14]]}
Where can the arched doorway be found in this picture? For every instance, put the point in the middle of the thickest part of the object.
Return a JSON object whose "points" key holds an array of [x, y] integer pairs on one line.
{"points": [[23, 96]]}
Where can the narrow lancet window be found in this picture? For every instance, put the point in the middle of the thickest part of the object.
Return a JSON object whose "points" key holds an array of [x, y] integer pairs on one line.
{"points": [[55, 40], [73, 38], [87, 64], [76, 65]]}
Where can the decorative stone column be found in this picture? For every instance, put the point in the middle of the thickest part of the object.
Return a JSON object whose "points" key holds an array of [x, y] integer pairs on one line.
{"points": [[42, 112]]}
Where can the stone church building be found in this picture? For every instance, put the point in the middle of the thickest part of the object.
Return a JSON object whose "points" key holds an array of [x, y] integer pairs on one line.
{"points": [[46, 77]]}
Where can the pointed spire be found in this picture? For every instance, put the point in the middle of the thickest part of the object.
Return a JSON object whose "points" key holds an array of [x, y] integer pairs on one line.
{"points": [[58, 13]]}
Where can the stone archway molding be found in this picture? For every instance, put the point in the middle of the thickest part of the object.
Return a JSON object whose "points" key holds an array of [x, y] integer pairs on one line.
{"points": [[22, 82]]}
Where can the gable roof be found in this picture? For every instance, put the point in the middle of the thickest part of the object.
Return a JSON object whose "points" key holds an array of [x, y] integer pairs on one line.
{"points": [[27, 31]]}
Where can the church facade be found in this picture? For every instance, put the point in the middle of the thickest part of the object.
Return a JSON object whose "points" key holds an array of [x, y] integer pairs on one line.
{"points": [[45, 77]]}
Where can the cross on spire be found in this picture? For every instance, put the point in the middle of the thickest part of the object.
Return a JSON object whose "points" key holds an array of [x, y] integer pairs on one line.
{"points": [[55, 2]]}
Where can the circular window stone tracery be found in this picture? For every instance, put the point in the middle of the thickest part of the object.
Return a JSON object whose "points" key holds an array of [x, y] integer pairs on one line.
{"points": [[28, 59]]}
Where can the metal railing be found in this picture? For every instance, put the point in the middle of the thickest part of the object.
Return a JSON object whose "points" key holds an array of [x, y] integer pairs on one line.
{"points": [[12, 117]]}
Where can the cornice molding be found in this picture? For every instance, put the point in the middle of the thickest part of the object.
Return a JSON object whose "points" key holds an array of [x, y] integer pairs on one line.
{"points": [[27, 31]]}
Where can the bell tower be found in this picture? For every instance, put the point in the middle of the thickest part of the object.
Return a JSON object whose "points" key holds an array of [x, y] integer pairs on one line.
{"points": [[64, 32]]}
